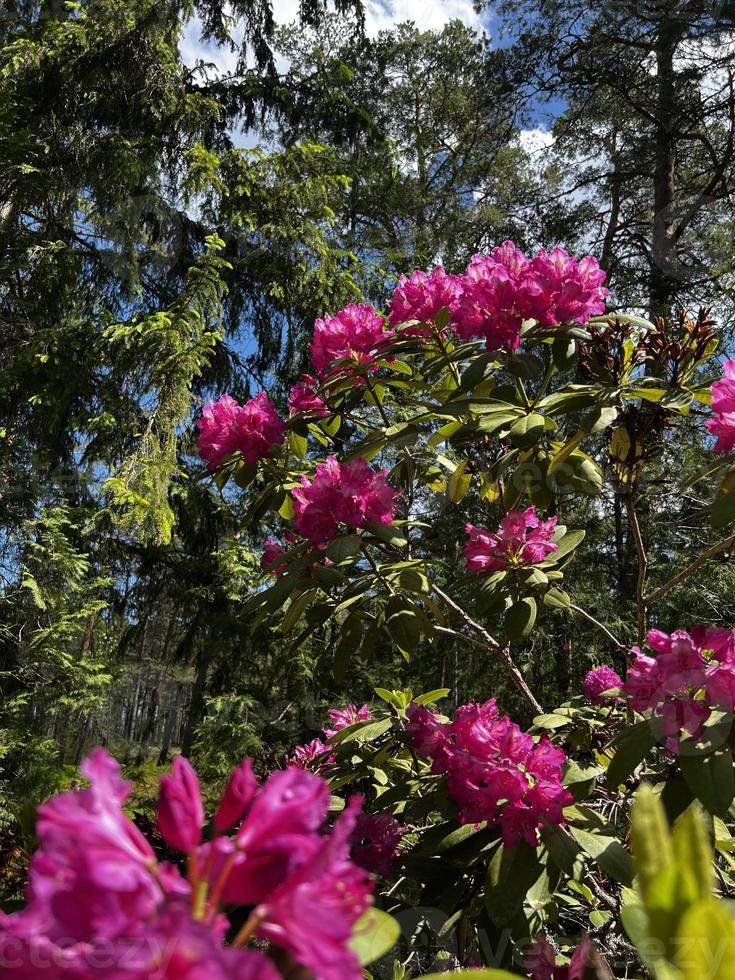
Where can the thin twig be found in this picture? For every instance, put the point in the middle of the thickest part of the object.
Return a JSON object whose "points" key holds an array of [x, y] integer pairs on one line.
{"points": [[716, 549], [599, 625], [502, 653]]}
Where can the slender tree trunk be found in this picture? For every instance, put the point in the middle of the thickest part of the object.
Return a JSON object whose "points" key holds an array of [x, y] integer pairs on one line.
{"points": [[197, 700], [663, 244]]}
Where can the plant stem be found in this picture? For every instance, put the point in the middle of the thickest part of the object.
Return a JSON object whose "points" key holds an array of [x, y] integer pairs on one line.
{"points": [[599, 625], [716, 549], [442, 347], [378, 405], [245, 934], [378, 573], [635, 529], [502, 653]]}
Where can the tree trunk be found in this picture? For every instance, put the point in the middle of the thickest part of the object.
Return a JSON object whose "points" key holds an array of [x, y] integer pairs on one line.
{"points": [[664, 264], [197, 700]]}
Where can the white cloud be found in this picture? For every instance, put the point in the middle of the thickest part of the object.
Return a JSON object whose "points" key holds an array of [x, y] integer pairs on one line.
{"points": [[379, 15], [193, 49], [535, 141], [426, 14]]}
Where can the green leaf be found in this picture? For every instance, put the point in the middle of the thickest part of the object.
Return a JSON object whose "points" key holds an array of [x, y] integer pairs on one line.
{"points": [[567, 543], [512, 872], [343, 548], [297, 444], [459, 482], [528, 429], [349, 641], [403, 623], [431, 696], [608, 852], [711, 778], [631, 746], [363, 731], [374, 934], [520, 618], [556, 599], [387, 533], [563, 849], [707, 931]]}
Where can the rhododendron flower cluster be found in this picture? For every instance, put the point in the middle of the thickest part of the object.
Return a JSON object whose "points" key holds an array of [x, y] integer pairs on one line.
{"points": [[376, 839], [350, 493], [356, 333], [304, 399], [100, 905], [540, 961], [344, 717], [599, 680], [421, 296], [313, 754], [226, 427], [499, 291], [723, 405], [691, 674], [495, 772], [521, 539]]}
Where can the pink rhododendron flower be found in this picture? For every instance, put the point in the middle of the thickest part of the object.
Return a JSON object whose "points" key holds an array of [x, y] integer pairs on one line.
{"points": [[303, 399], [100, 906], [599, 680], [495, 772], [251, 429], [490, 304], [501, 290], [238, 795], [421, 296], [351, 493], [344, 717], [272, 559], [723, 391], [722, 424], [540, 960], [375, 842], [314, 755], [560, 288], [312, 913], [180, 811], [723, 427], [689, 676], [521, 539], [356, 333]]}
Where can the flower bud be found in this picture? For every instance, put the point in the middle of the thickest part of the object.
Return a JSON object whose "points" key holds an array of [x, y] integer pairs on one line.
{"points": [[180, 811], [237, 797]]}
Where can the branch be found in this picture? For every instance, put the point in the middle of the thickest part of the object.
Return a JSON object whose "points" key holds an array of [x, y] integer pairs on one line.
{"points": [[716, 549], [489, 643], [642, 567], [599, 625]]}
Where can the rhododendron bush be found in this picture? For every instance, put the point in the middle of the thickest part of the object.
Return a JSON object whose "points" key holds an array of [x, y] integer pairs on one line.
{"points": [[488, 839]]}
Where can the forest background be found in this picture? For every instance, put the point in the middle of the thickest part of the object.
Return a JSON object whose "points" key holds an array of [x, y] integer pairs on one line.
{"points": [[184, 187]]}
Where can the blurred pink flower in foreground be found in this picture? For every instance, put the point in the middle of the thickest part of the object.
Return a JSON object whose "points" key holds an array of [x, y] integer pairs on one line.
{"points": [[100, 906]]}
